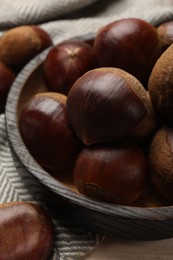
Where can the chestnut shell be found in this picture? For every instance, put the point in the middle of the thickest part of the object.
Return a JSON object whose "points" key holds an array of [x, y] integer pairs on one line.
{"points": [[114, 172], [105, 104], [47, 133], [160, 86], [165, 32], [20, 44], [26, 232], [65, 63], [7, 77], [160, 162], [131, 44]]}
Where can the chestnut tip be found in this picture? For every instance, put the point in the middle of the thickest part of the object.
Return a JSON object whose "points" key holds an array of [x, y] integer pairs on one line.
{"points": [[65, 63]]}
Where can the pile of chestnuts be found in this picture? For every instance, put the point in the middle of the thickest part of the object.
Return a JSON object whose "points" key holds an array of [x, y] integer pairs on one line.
{"points": [[106, 117]]}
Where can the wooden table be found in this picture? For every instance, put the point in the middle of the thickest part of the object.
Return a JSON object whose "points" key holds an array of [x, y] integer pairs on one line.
{"points": [[113, 249]]}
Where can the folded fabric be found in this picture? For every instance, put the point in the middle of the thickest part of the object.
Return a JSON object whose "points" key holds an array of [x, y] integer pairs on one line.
{"points": [[36, 11], [20, 12]]}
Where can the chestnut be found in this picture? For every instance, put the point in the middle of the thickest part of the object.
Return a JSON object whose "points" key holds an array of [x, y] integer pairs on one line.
{"points": [[7, 77], [105, 104], [160, 162], [165, 32], [26, 232], [65, 63], [145, 130], [130, 44], [111, 172], [160, 86], [47, 133], [20, 44]]}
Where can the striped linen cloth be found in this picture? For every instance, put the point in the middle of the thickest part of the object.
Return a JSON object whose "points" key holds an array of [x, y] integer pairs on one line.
{"points": [[63, 19]]}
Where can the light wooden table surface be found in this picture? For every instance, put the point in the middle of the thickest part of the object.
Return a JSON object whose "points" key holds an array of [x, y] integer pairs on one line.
{"points": [[113, 249]]}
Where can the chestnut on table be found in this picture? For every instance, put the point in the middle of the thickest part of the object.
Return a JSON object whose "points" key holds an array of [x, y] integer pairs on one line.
{"points": [[26, 232]]}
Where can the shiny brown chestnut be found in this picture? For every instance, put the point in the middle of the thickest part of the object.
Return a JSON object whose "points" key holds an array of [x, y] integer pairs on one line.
{"points": [[131, 44], [160, 162], [26, 232], [114, 172], [20, 44], [165, 32], [47, 133], [7, 77], [65, 63], [105, 104], [160, 86]]}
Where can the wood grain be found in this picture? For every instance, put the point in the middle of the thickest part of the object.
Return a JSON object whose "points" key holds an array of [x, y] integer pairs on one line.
{"points": [[116, 249]]}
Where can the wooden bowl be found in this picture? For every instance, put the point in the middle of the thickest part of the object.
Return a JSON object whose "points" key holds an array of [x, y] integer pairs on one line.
{"points": [[149, 218]]}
